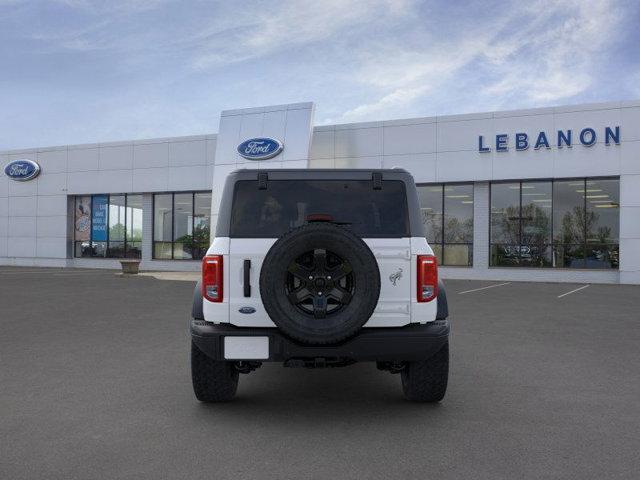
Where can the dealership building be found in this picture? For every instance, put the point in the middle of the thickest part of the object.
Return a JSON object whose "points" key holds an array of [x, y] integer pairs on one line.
{"points": [[547, 194]]}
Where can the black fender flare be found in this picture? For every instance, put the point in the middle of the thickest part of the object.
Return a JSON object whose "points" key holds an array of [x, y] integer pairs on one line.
{"points": [[196, 308], [443, 307]]}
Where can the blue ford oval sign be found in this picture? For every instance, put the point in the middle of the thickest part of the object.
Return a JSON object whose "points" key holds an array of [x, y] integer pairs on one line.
{"points": [[247, 310], [260, 148], [22, 170]]}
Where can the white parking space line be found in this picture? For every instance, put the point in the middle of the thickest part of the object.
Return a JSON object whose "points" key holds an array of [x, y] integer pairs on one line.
{"points": [[484, 288], [21, 271], [56, 273], [70, 274], [573, 291]]}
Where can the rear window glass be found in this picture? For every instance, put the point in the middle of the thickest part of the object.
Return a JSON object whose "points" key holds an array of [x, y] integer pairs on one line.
{"points": [[286, 204]]}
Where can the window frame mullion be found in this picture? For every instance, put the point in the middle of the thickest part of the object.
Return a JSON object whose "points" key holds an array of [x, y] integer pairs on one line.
{"points": [[126, 199], [173, 223], [584, 222], [442, 230]]}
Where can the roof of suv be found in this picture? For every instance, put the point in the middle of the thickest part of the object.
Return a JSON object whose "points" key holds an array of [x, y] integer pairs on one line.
{"points": [[322, 173]]}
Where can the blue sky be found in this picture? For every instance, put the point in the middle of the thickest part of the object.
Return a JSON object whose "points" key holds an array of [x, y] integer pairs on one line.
{"points": [[76, 71]]}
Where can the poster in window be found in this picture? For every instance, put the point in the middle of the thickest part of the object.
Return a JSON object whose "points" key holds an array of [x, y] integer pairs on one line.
{"points": [[83, 219], [99, 214]]}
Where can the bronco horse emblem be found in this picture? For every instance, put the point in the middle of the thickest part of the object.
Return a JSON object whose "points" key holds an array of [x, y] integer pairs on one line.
{"points": [[394, 277]]}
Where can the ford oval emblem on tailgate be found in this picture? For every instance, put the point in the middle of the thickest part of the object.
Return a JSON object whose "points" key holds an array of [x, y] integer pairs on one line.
{"points": [[247, 310]]}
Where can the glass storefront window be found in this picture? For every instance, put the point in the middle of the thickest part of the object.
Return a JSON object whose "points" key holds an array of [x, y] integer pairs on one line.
{"points": [[505, 224], [564, 223], [458, 225], [447, 215], [201, 224], [108, 226], [430, 198], [82, 226], [181, 225], [99, 227], [535, 234], [505, 213], [162, 225], [569, 223], [117, 220], [134, 226], [603, 211], [568, 212], [603, 223]]}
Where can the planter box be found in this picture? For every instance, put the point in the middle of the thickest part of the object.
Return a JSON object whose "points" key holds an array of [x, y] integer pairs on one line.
{"points": [[130, 266]]}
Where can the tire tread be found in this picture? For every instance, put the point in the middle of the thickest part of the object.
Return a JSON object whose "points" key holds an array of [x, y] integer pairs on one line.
{"points": [[213, 381], [426, 380]]}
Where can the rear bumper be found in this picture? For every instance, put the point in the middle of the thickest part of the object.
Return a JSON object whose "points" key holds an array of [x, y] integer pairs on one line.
{"points": [[410, 343]]}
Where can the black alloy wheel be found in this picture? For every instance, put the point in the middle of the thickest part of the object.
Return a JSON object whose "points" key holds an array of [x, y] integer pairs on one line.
{"points": [[320, 283]]}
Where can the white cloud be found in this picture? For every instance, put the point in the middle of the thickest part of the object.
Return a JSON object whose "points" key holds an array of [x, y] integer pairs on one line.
{"points": [[397, 98], [120, 6], [555, 63], [404, 77], [258, 32], [165, 67], [544, 52], [633, 84]]}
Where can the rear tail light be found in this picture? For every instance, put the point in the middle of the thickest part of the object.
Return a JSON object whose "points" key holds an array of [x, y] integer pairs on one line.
{"points": [[212, 278], [427, 278]]}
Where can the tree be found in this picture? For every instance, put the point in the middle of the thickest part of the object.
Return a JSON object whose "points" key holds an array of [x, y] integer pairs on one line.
{"points": [[197, 241], [116, 232], [524, 232]]}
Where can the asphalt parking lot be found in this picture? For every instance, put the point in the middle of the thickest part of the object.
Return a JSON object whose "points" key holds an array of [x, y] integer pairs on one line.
{"points": [[95, 383]]}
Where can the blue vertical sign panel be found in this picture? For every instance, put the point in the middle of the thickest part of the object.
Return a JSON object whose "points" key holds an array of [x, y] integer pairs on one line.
{"points": [[99, 218]]}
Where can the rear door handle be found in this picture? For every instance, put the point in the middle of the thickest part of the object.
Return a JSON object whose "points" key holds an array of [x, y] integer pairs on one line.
{"points": [[247, 277]]}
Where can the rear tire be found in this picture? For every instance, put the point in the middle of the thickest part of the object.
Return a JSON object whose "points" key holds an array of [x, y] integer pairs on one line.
{"points": [[213, 381], [426, 380]]}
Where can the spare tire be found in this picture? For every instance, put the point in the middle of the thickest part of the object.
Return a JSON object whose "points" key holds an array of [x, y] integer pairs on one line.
{"points": [[319, 283]]}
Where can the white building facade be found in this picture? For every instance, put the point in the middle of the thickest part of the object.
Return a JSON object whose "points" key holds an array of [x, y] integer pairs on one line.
{"points": [[549, 194]]}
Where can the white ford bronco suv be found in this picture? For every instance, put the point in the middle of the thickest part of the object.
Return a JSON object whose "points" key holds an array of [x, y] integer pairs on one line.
{"points": [[319, 268]]}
